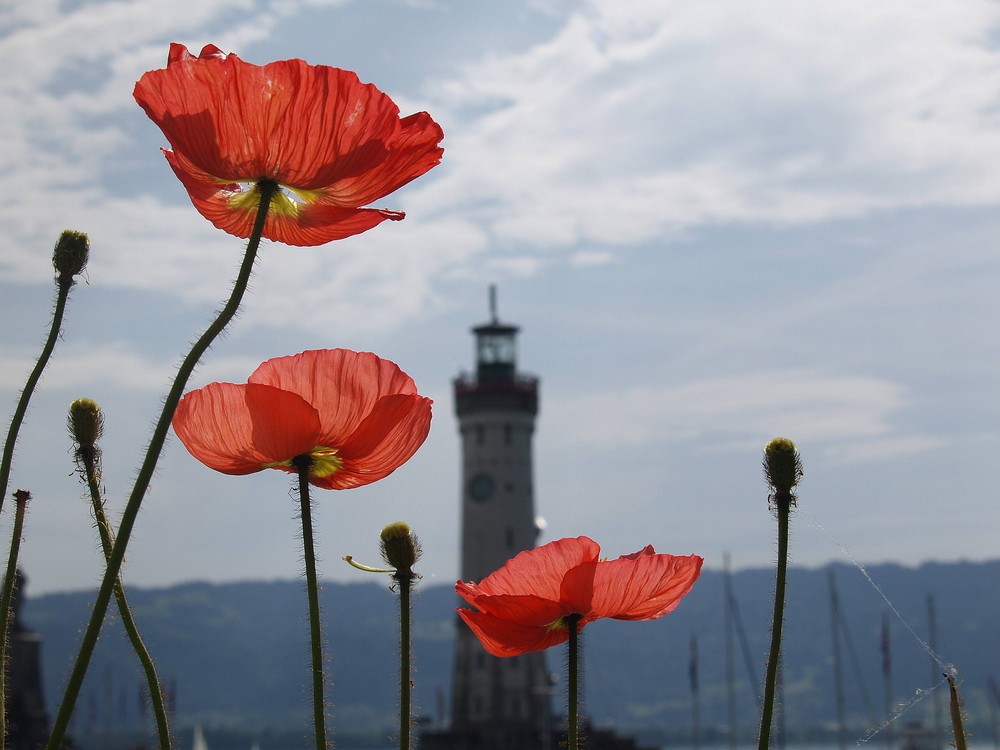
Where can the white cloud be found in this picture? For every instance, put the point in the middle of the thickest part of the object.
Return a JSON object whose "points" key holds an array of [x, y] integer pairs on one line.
{"points": [[592, 258], [632, 123], [873, 451], [852, 414], [78, 366], [642, 116]]}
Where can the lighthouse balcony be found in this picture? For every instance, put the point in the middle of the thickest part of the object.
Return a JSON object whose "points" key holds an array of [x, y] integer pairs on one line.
{"points": [[478, 394]]}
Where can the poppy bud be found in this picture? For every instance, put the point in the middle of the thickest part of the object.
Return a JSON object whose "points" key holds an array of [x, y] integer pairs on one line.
{"points": [[782, 465], [70, 254], [400, 547], [86, 422]]}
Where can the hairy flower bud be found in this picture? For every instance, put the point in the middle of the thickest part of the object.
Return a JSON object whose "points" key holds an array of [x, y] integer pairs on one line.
{"points": [[782, 468], [86, 422], [400, 547], [70, 254]]}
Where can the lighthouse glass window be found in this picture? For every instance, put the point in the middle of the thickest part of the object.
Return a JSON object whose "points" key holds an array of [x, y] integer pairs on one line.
{"points": [[496, 348]]}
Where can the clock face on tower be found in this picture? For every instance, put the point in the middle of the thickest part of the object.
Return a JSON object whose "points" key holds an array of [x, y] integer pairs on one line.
{"points": [[481, 487]]}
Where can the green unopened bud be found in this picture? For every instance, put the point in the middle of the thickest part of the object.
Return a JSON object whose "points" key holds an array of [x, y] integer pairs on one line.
{"points": [[782, 467], [400, 547], [86, 422], [71, 253]]}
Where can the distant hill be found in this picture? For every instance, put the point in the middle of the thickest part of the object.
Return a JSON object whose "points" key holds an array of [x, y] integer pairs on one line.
{"points": [[237, 653]]}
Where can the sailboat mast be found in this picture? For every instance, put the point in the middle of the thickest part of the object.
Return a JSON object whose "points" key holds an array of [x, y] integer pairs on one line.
{"points": [[695, 695], [727, 585], [838, 670], [887, 677]]}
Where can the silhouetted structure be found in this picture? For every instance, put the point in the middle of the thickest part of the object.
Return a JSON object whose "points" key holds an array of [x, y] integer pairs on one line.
{"points": [[27, 720]]}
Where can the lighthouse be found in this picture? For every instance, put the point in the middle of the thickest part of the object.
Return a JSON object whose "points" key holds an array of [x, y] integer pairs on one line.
{"points": [[500, 704], [496, 703], [496, 408]]}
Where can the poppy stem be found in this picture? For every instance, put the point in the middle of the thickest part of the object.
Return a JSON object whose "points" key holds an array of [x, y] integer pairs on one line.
{"points": [[572, 684], [146, 470], [782, 502], [405, 580], [302, 463], [400, 549], [21, 498], [63, 284], [89, 456], [956, 714]]}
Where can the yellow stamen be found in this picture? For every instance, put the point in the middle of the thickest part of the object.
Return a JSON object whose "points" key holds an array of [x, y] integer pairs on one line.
{"points": [[281, 202], [324, 462]]}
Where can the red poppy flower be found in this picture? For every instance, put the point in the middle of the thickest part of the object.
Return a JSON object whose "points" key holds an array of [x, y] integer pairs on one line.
{"points": [[358, 417], [522, 607], [335, 144]]}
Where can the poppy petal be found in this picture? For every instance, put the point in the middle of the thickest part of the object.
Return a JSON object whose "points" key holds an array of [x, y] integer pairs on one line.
{"points": [[178, 53], [410, 152], [576, 594], [526, 609], [502, 637], [237, 429], [300, 124], [342, 385], [643, 586], [336, 142], [385, 440], [541, 570]]}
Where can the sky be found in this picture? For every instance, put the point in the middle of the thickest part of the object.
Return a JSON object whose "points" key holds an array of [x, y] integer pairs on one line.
{"points": [[715, 223]]}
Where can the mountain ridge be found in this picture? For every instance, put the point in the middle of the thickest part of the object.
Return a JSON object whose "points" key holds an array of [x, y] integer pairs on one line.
{"points": [[237, 652]]}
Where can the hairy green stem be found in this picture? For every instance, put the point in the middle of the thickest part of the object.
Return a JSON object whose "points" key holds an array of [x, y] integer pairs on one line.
{"points": [[782, 501], [405, 580], [145, 475], [573, 684], [302, 463], [89, 457], [63, 285], [956, 714], [21, 498]]}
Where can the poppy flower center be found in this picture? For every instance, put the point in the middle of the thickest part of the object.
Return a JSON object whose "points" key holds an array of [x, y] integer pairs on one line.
{"points": [[560, 624], [323, 462], [286, 201]]}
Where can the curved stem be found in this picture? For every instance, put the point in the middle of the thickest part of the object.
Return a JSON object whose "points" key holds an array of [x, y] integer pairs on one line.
{"points": [[573, 684], [63, 285], [20, 505], [405, 580], [312, 591], [367, 568], [782, 501], [146, 470], [88, 457]]}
